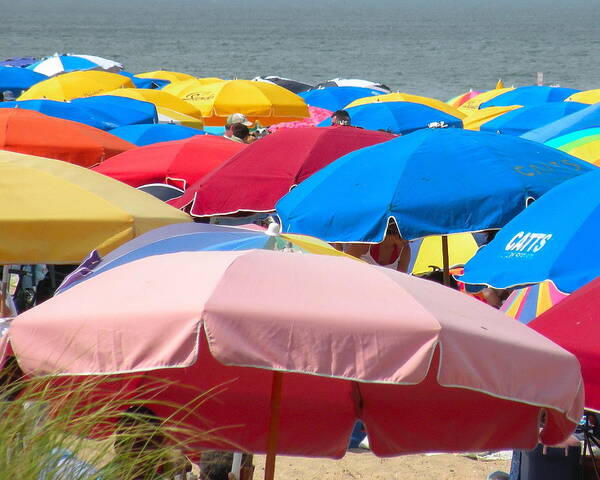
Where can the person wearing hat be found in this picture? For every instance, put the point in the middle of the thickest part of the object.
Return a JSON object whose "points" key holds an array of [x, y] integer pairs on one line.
{"points": [[232, 120]]}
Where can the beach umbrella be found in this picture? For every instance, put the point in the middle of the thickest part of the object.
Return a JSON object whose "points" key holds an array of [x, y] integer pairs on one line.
{"points": [[259, 175], [196, 237], [586, 96], [166, 75], [287, 83], [18, 62], [265, 102], [398, 117], [142, 135], [144, 82], [317, 115], [170, 108], [474, 104], [356, 342], [553, 239], [584, 144], [64, 110], [179, 162], [18, 79], [587, 118], [354, 82], [461, 248], [76, 84], [522, 120], [121, 110], [573, 324], [27, 131], [161, 191], [525, 304], [55, 212], [56, 64], [474, 120], [462, 98], [336, 98], [431, 182], [529, 96], [408, 98]]}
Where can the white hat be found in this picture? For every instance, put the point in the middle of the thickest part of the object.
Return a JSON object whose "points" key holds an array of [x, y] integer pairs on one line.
{"points": [[238, 118]]}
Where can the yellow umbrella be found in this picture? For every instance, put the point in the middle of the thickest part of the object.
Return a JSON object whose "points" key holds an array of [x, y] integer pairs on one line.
{"points": [[266, 102], [405, 97], [587, 96], [170, 108], [56, 212], [76, 84], [461, 247], [479, 117], [473, 104], [166, 75]]}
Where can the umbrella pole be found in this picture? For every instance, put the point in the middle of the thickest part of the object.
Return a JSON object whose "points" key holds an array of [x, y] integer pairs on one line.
{"points": [[446, 260], [273, 425]]}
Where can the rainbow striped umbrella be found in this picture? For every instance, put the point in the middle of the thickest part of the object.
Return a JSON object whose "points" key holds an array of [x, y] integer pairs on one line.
{"points": [[524, 304], [584, 144]]}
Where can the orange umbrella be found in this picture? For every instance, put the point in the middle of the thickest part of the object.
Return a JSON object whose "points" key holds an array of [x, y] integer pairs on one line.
{"points": [[31, 132]]}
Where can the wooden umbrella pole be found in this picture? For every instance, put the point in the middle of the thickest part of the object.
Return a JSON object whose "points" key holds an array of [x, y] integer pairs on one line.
{"points": [[273, 425], [446, 260]]}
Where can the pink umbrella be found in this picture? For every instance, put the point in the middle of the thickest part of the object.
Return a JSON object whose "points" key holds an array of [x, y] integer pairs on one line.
{"points": [[303, 346], [317, 115]]}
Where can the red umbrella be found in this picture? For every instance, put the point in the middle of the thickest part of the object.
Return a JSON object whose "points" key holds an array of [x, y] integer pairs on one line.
{"points": [[317, 115], [256, 178], [179, 163], [574, 324]]}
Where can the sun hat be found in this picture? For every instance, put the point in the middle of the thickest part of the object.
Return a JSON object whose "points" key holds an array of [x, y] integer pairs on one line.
{"points": [[238, 118]]}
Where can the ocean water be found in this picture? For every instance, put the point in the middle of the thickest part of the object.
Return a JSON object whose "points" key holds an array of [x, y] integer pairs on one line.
{"points": [[436, 48]]}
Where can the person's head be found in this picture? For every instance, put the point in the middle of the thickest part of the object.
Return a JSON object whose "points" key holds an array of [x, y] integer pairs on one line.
{"points": [[240, 131], [340, 117], [138, 429], [234, 119]]}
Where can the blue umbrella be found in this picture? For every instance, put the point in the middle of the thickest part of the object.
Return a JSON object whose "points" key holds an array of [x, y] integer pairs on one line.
{"points": [[18, 62], [336, 98], [556, 239], [141, 135], [145, 82], [522, 120], [586, 118], [65, 110], [397, 117], [120, 110], [18, 79], [432, 182], [530, 96]]}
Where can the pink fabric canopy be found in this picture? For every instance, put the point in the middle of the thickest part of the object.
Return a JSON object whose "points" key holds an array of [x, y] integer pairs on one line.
{"points": [[426, 368]]}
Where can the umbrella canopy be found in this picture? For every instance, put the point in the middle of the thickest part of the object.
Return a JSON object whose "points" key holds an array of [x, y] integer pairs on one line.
{"points": [[529, 96], [161, 191], [170, 108], [62, 211], [144, 82], [336, 98], [261, 101], [574, 325], [196, 237], [179, 163], [527, 303], [462, 98], [18, 79], [474, 120], [70, 62], [354, 82], [141, 135], [76, 84], [18, 62], [587, 96], [432, 182], [355, 342], [398, 117], [287, 83], [405, 97], [522, 120], [461, 248], [474, 104], [27, 131], [317, 115], [64, 110], [587, 118], [166, 75], [121, 110], [553, 239], [584, 144], [262, 173]]}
